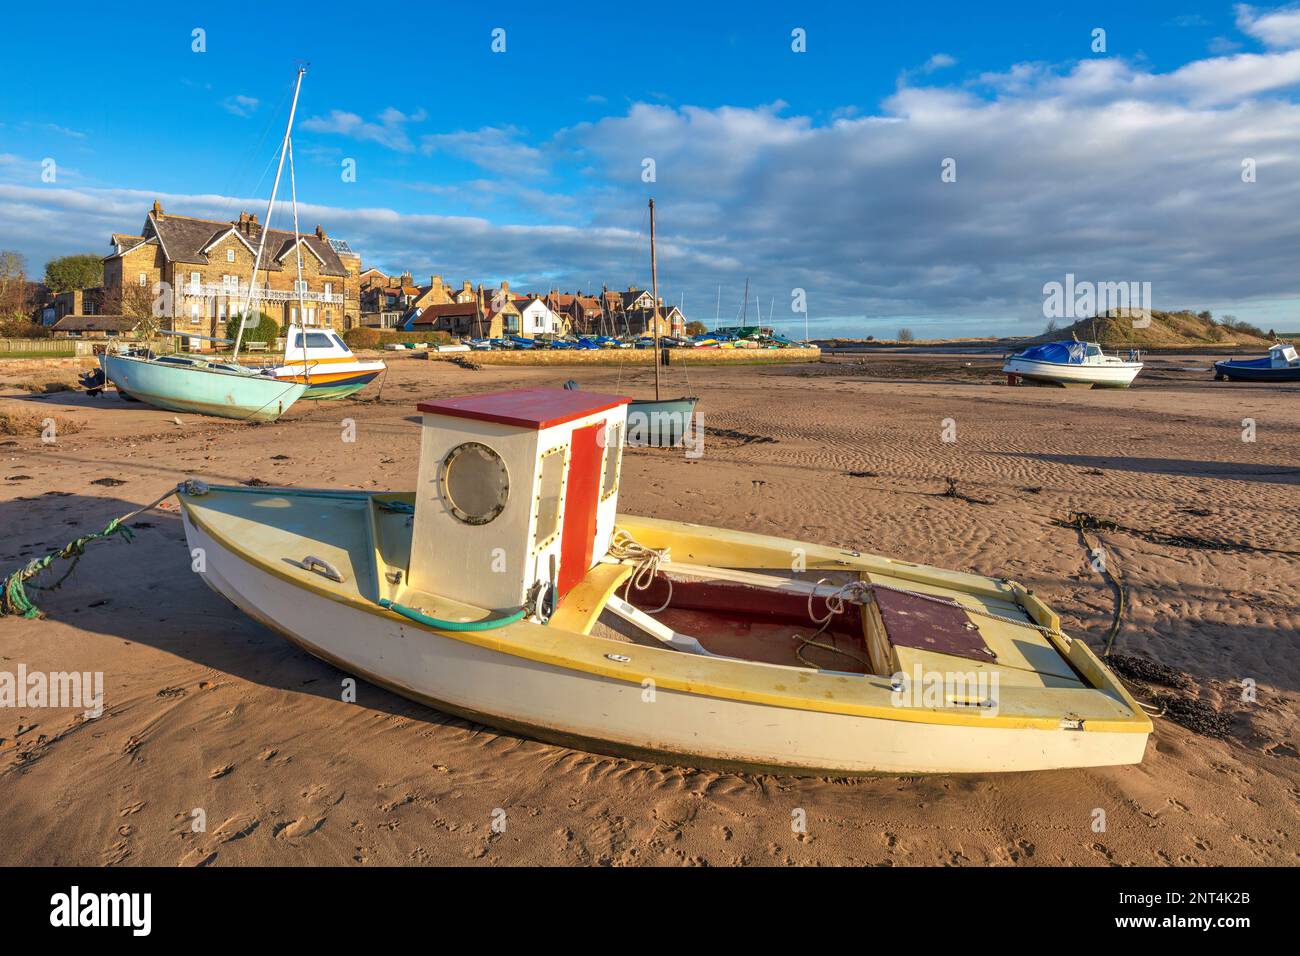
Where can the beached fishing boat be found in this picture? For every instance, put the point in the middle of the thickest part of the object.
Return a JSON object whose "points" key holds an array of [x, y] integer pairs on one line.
{"points": [[508, 590], [659, 422], [320, 360], [1073, 363], [1281, 364]]}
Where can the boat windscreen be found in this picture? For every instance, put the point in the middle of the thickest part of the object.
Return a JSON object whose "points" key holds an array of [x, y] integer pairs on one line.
{"points": [[1061, 353]]}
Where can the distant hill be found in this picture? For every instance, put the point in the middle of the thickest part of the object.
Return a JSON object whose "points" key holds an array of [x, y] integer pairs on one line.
{"points": [[1167, 330]]}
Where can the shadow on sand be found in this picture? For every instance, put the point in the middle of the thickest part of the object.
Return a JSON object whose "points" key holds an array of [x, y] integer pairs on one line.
{"points": [[144, 592], [1181, 467]]}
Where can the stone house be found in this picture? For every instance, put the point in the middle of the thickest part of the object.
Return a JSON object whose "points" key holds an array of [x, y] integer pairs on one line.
{"points": [[72, 302], [94, 326], [641, 321], [206, 265]]}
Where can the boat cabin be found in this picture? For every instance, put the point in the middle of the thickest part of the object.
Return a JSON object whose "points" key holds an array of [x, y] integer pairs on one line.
{"points": [[517, 495], [1283, 355], [313, 344]]}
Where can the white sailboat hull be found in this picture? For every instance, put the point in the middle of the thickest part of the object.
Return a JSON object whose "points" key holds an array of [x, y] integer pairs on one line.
{"points": [[599, 713]]}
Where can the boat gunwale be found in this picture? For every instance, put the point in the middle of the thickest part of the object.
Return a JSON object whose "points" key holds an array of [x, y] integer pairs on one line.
{"points": [[1136, 722]]}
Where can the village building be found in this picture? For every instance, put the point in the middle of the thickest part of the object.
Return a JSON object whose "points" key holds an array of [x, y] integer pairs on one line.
{"points": [[207, 263], [537, 318], [94, 326], [641, 321], [486, 313], [72, 302], [457, 319]]}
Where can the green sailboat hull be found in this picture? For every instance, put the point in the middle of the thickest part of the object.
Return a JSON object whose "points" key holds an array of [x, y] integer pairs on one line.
{"points": [[661, 423], [200, 388]]}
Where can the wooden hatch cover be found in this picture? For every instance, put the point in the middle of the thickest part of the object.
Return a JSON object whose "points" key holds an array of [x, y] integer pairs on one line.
{"points": [[926, 625]]}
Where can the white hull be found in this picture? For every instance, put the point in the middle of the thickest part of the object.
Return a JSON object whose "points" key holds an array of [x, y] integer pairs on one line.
{"points": [[605, 714], [1109, 375]]}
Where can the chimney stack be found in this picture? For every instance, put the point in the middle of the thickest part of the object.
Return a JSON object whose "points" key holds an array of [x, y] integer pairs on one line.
{"points": [[157, 209]]}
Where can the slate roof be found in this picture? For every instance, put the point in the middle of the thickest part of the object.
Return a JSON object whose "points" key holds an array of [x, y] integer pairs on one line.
{"points": [[96, 323], [183, 239]]}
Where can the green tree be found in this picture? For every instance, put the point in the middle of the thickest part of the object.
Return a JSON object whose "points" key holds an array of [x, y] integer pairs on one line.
{"points": [[83, 271], [260, 328]]}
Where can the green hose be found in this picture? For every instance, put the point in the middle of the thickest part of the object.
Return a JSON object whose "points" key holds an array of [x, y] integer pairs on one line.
{"points": [[442, 625]]}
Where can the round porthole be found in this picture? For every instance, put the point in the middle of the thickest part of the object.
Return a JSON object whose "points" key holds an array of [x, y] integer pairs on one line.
{"points": [[475, 483]]}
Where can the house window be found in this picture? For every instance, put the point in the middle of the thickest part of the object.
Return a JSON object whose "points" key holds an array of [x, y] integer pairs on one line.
{"points": [[194, 313], [329, 288], [144, 279], [230, 255], [195, 282], [300, 286]]}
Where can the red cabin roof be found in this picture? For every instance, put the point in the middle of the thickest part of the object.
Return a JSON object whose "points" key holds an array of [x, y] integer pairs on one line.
{"points": [[526, 407]]}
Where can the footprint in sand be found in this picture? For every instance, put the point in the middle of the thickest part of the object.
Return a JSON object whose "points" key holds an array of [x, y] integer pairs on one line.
{"points": [[298, 829]]}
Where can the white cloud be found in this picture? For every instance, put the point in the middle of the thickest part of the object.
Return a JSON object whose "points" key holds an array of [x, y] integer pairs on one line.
{"points": [[388, 130], [940, 61], [504, 150], [240, 105], [1278, 28]]}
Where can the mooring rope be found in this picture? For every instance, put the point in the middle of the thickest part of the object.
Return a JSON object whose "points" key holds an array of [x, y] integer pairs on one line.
{"points": [[1083, 522], [646, 560], [14, 601]]}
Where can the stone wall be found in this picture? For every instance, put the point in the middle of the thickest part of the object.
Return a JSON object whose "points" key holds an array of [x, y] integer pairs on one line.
{"points": [[619, 357]]}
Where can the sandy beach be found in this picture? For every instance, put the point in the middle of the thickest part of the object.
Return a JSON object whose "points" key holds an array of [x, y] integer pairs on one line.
{"points": [[207, 710]]}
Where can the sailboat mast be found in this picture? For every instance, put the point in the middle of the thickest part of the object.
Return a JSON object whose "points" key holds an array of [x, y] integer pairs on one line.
{"points": [[266, 226], [301, 286], [654, 283]]}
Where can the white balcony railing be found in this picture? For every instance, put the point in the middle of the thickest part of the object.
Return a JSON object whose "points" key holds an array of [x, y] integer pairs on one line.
{"points": [[260, 294]]}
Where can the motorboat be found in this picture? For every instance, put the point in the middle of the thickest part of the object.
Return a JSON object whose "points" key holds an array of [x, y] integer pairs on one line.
{"points": [[1281, 364], [1073, 364], [319, 359]]}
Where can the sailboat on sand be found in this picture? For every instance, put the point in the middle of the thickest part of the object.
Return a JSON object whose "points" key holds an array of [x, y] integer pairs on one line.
{"points": [[661, 422], [185, 383]]}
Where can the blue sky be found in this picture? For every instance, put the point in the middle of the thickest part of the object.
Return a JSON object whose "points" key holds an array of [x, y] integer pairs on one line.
{"points": [[817, 170]]}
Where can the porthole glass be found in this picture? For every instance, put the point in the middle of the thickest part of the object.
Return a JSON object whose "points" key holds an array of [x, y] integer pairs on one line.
{"points": [[475, 483]]}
